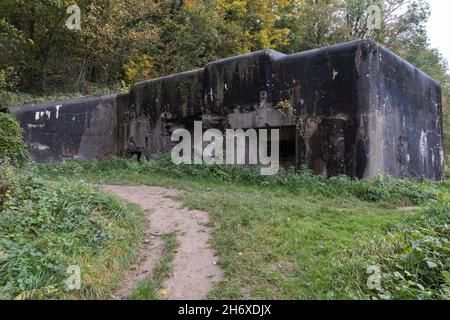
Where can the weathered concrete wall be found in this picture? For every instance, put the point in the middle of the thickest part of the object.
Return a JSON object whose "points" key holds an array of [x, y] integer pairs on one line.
{"points": [[80, 129], [354, 109], [407, 113], [357, 109], [157, 107]]}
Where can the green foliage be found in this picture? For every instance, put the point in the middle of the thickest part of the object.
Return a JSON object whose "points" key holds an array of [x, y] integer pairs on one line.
{"points": [[382, 188], [411, 259], [7, 181], [16, 99], [12, 146], [8, 79], [47, 55], [197, 34], [292, 236], [415, 258], [130, 39], [45, 228]]}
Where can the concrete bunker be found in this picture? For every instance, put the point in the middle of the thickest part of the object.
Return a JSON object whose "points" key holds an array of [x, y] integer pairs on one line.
{"points": [[353, 109]]}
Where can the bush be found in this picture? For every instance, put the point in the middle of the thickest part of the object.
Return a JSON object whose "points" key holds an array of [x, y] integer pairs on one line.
{"points": [[8, 78], [12, 146]]}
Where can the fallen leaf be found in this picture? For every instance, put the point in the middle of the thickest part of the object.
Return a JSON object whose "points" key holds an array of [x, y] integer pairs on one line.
{"points": [[165, 293]]}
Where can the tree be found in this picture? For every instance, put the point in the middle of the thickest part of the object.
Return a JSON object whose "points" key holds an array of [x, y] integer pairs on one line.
{"points": [[260, 21], [35, 29], [116, 37], [113, 34], [200, 35]]}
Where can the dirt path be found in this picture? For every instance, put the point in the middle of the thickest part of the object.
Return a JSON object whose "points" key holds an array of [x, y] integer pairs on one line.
{"points": [[195, 269]]}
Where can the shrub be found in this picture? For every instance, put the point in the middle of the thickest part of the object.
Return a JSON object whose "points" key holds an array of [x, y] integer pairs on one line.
{"points": [[8, 78], [12, 146]]}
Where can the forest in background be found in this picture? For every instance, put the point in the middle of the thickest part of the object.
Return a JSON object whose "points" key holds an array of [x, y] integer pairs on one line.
{"points": [[125, 41]]}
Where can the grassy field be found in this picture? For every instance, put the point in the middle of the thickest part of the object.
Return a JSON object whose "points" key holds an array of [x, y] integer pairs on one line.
{"points": [[296, 236]]}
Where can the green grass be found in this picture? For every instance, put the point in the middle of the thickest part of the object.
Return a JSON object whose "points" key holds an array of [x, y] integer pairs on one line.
{"points": [[282, 246], [45, 227], [150, 288], [293, 236]]}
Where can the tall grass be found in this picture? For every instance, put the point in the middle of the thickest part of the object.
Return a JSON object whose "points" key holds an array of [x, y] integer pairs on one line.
{"points": [[45, 227], [382, 188]]}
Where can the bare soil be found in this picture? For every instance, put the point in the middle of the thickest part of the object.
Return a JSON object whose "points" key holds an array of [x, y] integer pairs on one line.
{"points": [[195, 264]]}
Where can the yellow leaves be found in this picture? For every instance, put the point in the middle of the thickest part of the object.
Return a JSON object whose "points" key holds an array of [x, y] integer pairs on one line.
{"points": [[263, 39], [239, 5], [279, 37], [192, 5], [188, 4], [138, 68], [259, 21], [22, 296], [235, 8], [271, 38], [114, 28], [444, 198], [165, 293]]}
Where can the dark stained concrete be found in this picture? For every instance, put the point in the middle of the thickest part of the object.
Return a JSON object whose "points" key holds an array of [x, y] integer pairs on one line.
{"points": [[80, 129], [353, 109]]}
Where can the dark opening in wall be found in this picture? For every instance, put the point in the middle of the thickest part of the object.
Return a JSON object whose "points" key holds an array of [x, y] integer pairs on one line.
{"points": [[287, 146]]}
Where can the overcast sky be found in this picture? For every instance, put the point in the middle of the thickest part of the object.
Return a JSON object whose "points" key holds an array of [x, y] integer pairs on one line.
{"points": [[439, 26]]}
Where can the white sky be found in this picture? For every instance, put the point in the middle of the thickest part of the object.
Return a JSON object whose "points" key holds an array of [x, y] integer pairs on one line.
{"points": [[439, 26]]}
